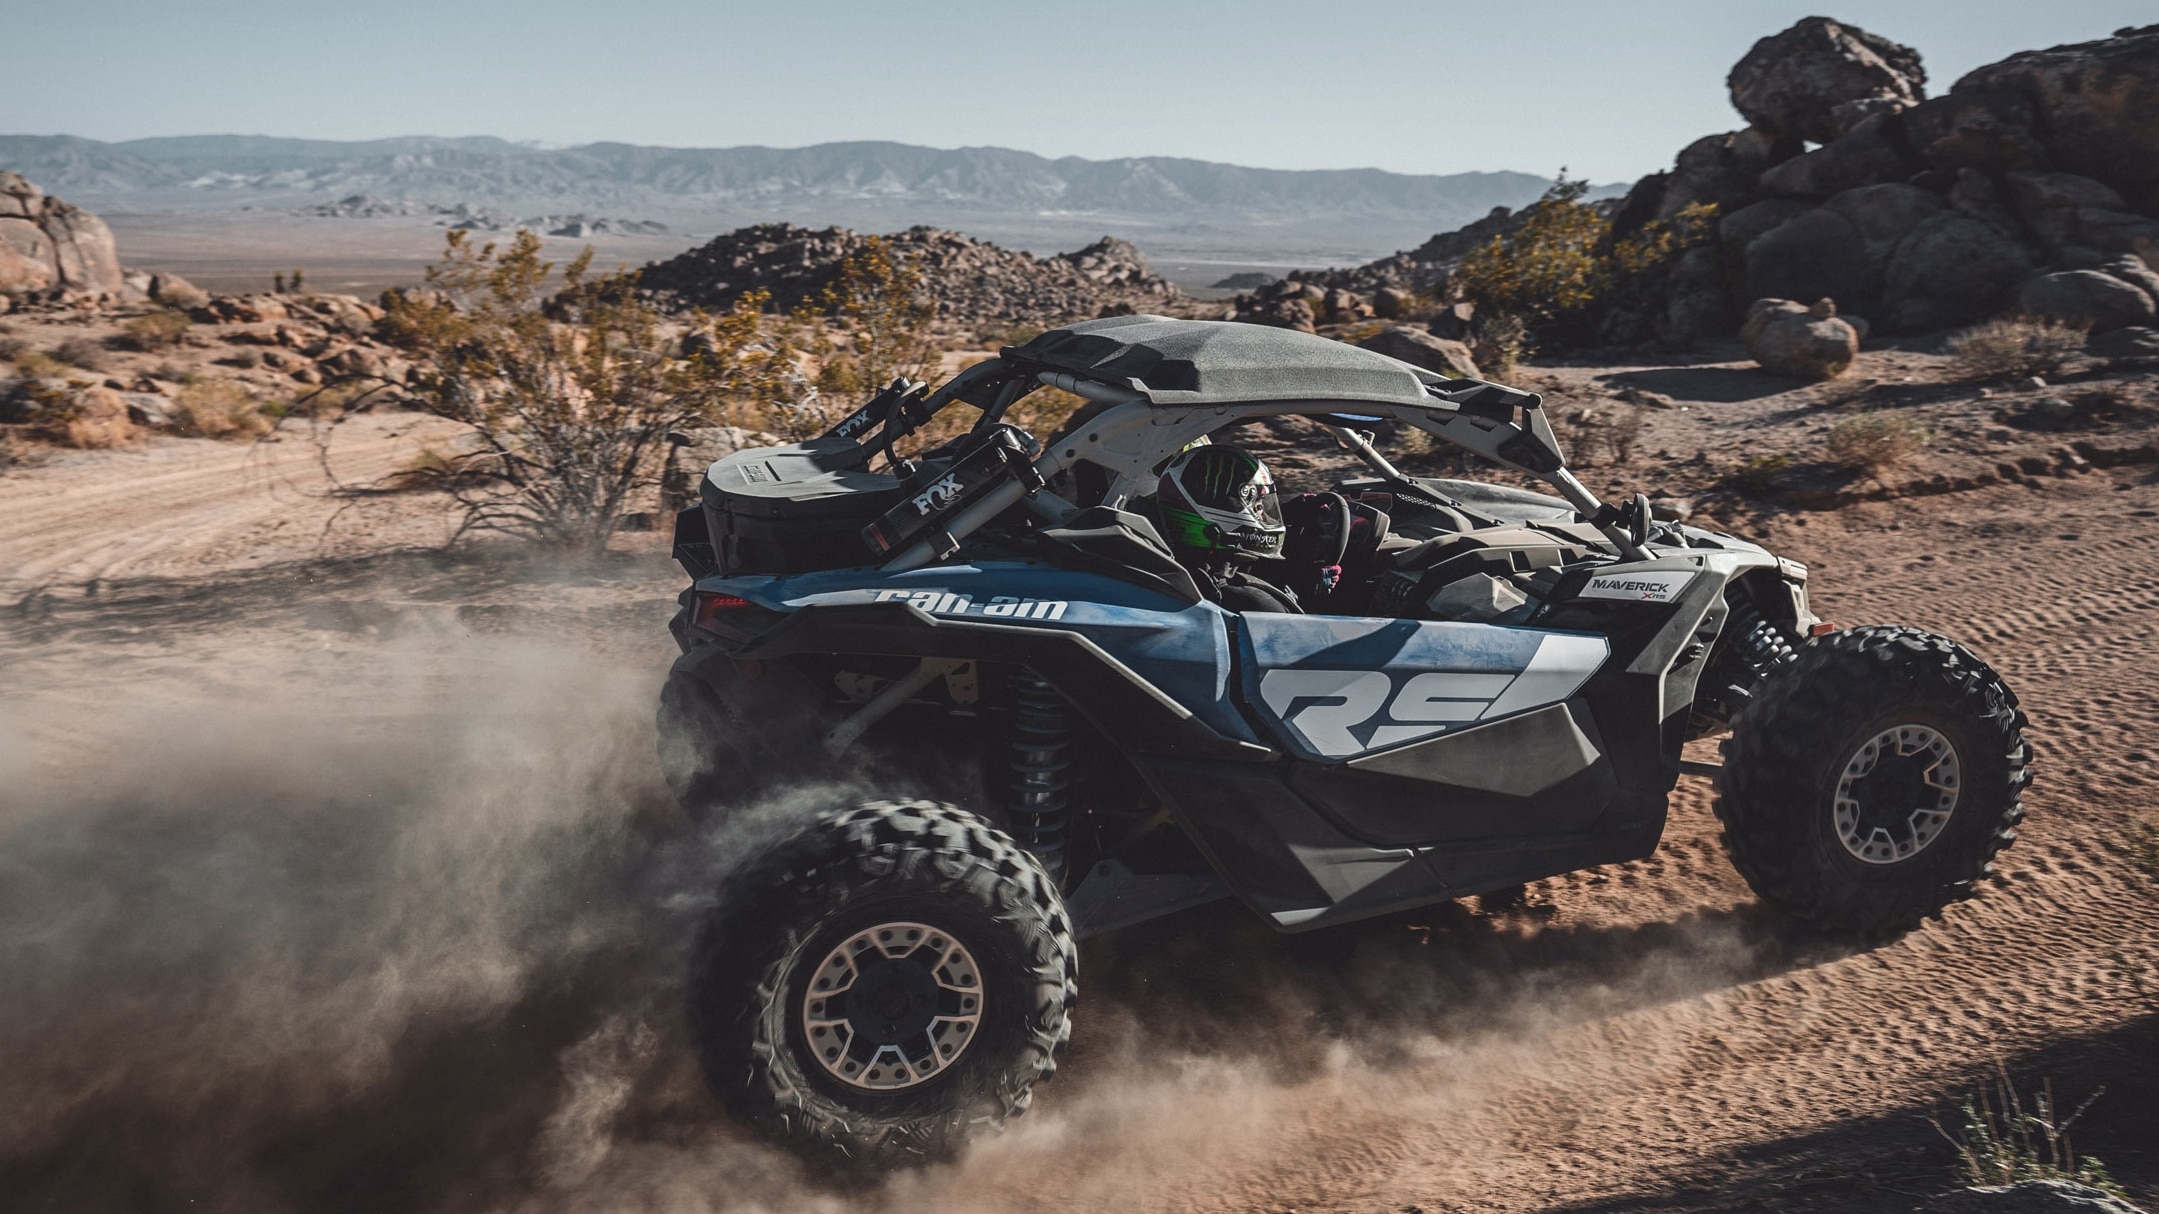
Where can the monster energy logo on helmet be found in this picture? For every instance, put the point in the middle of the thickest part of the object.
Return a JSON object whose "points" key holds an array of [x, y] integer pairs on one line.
{"points": [[1221, 498]]}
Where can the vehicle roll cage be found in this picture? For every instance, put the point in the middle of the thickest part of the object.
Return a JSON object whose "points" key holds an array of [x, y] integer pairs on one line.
{"points": [[1134, 436]]}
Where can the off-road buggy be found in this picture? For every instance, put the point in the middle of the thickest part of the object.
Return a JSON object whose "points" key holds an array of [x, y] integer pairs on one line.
{"points": [[1075, 738]]}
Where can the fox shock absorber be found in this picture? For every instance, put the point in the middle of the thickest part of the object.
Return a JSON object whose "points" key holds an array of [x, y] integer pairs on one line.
{"points": [[1039, 804]]}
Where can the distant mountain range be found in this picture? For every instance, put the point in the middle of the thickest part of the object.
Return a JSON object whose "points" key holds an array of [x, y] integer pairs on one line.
{"points": [[1163, 203]]}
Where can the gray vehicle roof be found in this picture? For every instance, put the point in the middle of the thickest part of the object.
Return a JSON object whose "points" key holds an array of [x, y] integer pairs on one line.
{"points": [[1204, 362]]}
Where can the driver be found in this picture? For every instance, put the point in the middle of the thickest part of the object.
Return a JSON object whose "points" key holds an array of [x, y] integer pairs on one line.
{"points": [[1222, 515]]}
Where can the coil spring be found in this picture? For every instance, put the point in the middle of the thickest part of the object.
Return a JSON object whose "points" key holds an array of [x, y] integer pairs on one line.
{"points": [[1762, 646], [1039, 805]]}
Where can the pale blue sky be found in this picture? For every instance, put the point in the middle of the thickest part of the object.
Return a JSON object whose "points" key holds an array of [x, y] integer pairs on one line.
{"points": [[1609, 89]]}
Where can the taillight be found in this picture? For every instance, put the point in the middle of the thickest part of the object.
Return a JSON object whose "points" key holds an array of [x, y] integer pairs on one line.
{"points": [[707, 609]]}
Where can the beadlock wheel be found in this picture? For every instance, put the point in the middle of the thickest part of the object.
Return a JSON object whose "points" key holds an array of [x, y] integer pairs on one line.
{"points": [[892, 1006], [1896, 794]]}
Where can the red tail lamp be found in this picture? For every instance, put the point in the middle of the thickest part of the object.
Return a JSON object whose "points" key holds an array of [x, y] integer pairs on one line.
{"points": [[709, 610]]}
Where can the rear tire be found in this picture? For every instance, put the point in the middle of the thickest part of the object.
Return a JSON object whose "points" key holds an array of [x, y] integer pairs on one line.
{"points": [[833, 994], [731, 733], [1869, 783]]}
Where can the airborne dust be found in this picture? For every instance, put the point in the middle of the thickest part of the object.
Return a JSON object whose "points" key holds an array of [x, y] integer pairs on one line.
{"points": [[390, 915]]}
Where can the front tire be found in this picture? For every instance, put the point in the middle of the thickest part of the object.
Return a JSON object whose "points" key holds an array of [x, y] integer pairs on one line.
{"points": [[889, 982], [1870, 783]]}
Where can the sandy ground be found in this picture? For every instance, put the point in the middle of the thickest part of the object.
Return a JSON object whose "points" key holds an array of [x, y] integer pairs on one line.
{"points": [[334, 875]]}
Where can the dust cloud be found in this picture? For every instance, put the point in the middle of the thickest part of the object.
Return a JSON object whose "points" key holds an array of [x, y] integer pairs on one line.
{"points": [[299, 926]]}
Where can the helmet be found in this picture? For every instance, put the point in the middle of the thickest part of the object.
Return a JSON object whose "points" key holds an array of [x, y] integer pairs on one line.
{"points": [[1221, 498]]}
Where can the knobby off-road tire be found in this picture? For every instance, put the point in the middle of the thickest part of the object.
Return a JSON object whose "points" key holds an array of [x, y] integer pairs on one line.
{"points": [[862, 903], [1869, 783], [732, 733]]}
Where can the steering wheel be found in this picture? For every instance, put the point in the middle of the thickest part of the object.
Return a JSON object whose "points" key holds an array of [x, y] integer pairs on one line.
{"points": [[1321, 536]]}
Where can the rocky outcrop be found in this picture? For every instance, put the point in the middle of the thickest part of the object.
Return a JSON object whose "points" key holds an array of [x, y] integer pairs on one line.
{"points": [[1789, 338], [1918, 213], [970, 281], [50, 249]]}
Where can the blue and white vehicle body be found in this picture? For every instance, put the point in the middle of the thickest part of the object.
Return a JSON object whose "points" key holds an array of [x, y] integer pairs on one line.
{"points": [[1380, 751]]}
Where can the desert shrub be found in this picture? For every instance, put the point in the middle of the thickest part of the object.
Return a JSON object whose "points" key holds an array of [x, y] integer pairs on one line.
{"points": [[2001, 1142], [12, 347], [1875, 442], [1760, 473], [2014, 346], [155, 331], [218, 408], [1504, 343], [1554, 271], [878, 298], [2139, 844], [567, 402], [81, 352]]}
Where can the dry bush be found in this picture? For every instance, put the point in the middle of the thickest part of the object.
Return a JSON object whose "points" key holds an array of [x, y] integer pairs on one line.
{"points": [[2003, 1143], [2139, 844], [1613, 429], [567, 401], [218, 408], [2015, 346], [12, 347], [1504, 343], [1875, 442], [81, 352], [155, 331]]}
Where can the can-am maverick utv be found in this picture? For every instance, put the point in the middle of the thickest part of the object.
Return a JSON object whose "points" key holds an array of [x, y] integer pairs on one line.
{"points": [[1075, 738]]}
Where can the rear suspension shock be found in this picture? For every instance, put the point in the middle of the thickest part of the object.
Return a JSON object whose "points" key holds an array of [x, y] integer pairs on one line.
{"points": [[1039, 804]]}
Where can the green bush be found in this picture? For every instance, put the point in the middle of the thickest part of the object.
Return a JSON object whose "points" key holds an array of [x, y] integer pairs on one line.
{"points": [[1875, 442], [1761, 473]]}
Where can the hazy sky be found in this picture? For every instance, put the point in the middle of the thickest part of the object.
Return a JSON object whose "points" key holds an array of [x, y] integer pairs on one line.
{"points": [[1608, 88]]}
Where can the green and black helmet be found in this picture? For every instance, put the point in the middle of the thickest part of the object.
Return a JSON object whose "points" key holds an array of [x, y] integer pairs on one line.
{"points": [[1221, 498]]}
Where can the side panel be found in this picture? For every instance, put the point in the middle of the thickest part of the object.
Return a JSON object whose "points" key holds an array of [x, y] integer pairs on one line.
{"points": [[1181, 649]]}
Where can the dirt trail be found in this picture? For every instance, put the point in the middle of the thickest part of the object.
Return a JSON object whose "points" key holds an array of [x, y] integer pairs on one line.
{"points": [[1642, 1036], [182, 506]]}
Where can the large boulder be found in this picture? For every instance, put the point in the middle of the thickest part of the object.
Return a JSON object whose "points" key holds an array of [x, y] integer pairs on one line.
{"points": [[1886, 214], [2094, 106], [1717, 170], [2088, 297], [1987, 129], [1791, 84], [1420, 349], [1789, 338], [1750, 223], [1949, 270], [1865, 158], [1819, 253], [48, 245]]}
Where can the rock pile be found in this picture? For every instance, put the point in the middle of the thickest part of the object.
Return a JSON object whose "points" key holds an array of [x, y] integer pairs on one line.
{"points": [[52, 250], [2031, 185], [1918, 213], [1385, 289], [970, 281]]}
